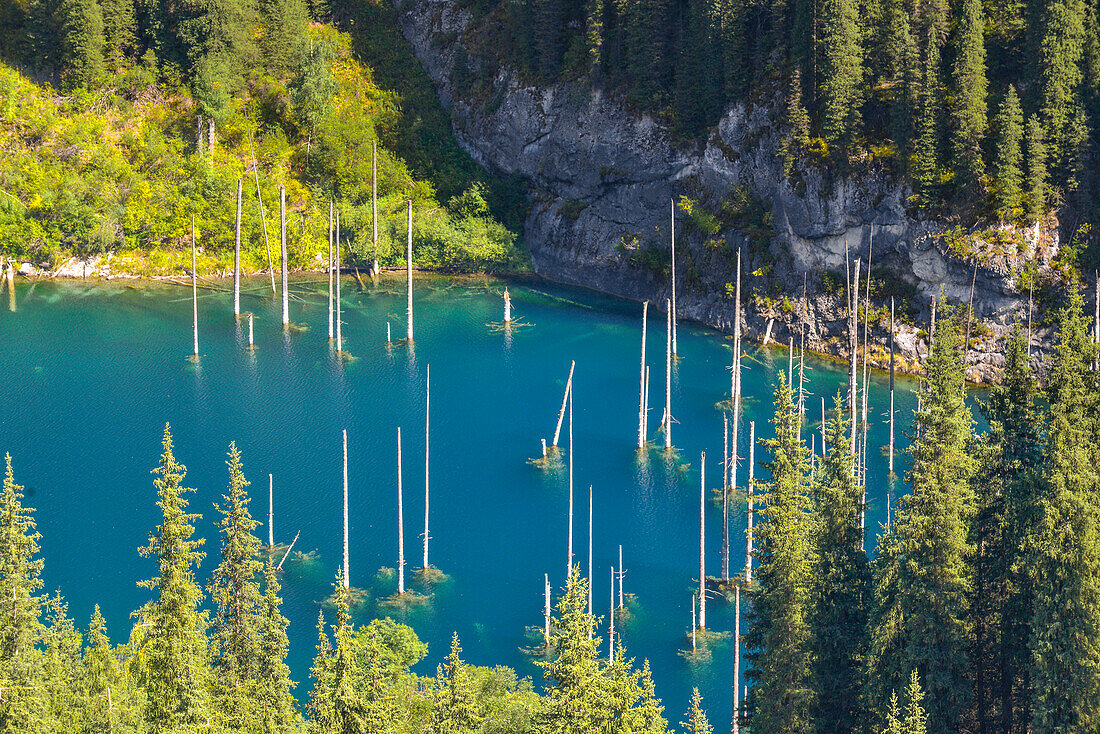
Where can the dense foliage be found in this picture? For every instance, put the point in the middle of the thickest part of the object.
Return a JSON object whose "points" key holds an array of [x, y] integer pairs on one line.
{"points": [[936, 91], [144, 115], [979, 612]]}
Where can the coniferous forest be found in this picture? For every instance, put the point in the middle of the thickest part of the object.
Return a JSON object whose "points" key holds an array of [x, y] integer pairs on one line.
{"points": [[988, 109], [978, 611]]}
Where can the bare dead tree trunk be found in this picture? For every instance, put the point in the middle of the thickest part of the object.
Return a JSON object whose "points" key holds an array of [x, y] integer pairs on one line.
{"points": [[427, 436], [263, 216], [564, 400], [641, 386], [282, 246], [347, 571], [400, 523], [237, 253], [194, 291], [702, 539]]}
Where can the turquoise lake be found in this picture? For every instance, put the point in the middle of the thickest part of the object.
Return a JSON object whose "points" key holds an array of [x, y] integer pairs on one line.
{"points": [[91, 373]]}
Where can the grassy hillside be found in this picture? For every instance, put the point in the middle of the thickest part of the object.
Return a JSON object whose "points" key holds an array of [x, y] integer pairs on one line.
{"points": [[120, 168]]}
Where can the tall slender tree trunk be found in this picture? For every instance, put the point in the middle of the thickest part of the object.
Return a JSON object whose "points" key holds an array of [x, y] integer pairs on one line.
{"points": [[237, 253]]}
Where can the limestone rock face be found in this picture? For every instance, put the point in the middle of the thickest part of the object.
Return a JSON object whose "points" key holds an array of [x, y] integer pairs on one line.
{"points": [[603, 176]]}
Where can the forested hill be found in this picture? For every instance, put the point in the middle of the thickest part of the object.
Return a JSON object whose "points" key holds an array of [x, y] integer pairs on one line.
{"points": [[119, 120], [989, 109]]}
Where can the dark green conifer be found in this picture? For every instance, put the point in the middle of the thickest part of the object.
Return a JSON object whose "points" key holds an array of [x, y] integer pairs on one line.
{"points": [[923, 568], [969, 109], [924, 165], [1008, 156], [841, 70], [1036, 170], [1065, 628], [174, 654], [697, 718], [1009, 457], [779, 641], [276, 703], [283, 28], [840, 586], [119, 32], [234, 585], [80, 23]]}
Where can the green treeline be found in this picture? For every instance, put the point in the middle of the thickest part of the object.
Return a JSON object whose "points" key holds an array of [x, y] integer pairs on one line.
{"points": [[213, 659], [120, 119], [980, 611], [940, 91]]}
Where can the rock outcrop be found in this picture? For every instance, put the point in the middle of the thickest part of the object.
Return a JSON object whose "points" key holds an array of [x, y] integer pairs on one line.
{"points": [[602, 179]]}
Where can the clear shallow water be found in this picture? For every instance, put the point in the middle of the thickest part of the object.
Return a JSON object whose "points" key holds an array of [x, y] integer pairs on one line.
{"points": [[92, 373]]}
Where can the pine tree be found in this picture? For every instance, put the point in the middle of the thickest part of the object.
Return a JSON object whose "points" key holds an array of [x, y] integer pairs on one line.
{"points": [[81, 33], [1065, 643], [840, 587], [893, 716], [284, 25], [575, 683], [20, 571], [175, 657], [841, 70], [924, 167], [968, 110], [1060, 53], [234, 585], [697, 718], [923, 572], [1008, 157], [1004, 534], [779, 639], [455, 710], [276, 704], [915, 722], [1036, 170], [62, 666], [796, 136], [902, 75], [119, 32]]}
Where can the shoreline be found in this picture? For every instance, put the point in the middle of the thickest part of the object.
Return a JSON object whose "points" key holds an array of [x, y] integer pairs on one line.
{"points": [[63, 275]]}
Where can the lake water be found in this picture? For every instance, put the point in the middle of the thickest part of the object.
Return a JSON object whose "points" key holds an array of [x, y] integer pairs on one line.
{"points": [[93, 372]]}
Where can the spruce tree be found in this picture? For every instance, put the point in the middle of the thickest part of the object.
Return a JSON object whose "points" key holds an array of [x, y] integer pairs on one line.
{"points": [[1065, 628], [779, 641], [915, 722], [455, 709], [1009, 457], [902, 75], [175, 658], [119, 32], [1060, 53], [322, 714], [697, 718], [924, 166], [109, 700], [62, 667], [24, 704], [80, 23], [841, 70], [284, 25], [969, 108], [234, 585], [573, 676], [1036, 170], [276, 703], [796, 137], [1008, 156], [840, 587], [923, 570], [20, 571]]}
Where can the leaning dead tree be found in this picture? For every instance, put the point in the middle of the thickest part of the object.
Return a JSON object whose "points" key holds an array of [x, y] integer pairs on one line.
{"points": [[564, 400]]}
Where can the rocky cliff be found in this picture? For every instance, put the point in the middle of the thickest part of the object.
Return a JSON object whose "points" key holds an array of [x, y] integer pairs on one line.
{"points": [[603, 177]]}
